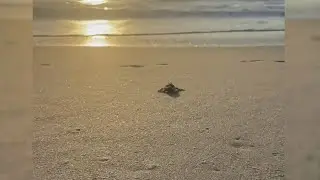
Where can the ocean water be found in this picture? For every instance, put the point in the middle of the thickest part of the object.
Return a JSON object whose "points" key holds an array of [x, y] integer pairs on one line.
{"points": [[158, 22]]}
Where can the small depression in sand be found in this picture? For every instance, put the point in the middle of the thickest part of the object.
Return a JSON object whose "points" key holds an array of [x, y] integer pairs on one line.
{"points": [[254, 60], [280, 61], [315, 38], [133, 66], [162, 64]]}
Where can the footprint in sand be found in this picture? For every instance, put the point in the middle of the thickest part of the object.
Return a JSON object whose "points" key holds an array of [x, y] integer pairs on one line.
{"points": [[143, 166], [280, 61], [65, 162], [75, 131], [162, 64], [45, 64], [151, 166], [315, 38], [239, 143], [208, 165], [104, 159], [133, 66], [204, 130], [254, 60]]}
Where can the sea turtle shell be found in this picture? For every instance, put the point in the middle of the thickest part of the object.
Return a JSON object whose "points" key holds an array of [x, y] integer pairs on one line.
{"points": [[170, 89]]}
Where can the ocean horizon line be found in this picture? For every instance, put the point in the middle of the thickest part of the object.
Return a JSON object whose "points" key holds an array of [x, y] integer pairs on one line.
{"points": [[160, 33]]}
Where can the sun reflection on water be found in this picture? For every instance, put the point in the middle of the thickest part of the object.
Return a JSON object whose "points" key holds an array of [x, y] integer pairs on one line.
{"points": [[93, 2], [98, 27], [97, 32]]}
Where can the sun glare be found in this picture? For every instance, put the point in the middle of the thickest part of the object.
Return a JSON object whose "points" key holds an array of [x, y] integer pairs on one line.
{"points": [[98, 31], [92, 2], [98, 27]]}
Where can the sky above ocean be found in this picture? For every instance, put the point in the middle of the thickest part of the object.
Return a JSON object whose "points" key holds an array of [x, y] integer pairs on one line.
{"points": [[159, 22], [294, 8]]}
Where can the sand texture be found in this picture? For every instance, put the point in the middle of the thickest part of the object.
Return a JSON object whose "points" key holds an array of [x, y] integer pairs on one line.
{"points": [[99, 115]]}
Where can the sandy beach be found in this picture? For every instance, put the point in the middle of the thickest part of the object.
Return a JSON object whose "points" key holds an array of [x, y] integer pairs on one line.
{"points": [[246, 113], [98, 114]]}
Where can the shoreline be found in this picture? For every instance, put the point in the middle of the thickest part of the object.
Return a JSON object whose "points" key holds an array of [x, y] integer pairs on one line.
{"points": [[98, 48], [164, 47]]}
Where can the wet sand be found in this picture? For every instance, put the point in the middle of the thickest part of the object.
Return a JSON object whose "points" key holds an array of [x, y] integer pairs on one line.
{"points": [[99, 115]]}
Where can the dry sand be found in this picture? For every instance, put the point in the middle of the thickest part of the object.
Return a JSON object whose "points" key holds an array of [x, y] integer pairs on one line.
{"points": [[15, 100], [98, 114]]}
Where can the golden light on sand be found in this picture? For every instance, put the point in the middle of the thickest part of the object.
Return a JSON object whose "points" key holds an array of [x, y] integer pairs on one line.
{"points": [[92, 2], [97, 31]]}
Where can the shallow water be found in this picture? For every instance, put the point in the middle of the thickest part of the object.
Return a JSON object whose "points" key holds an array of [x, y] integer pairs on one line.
{"points": [[187, 23]]}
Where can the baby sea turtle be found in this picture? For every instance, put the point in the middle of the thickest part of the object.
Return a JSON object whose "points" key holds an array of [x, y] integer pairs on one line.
{"points": [[171, 90]]}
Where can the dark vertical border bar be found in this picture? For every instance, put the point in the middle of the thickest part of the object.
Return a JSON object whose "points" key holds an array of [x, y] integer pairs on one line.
{"points": [[16, 51], [303, 87]]}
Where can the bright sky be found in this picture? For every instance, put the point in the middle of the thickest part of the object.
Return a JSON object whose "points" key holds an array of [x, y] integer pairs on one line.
{"points": [[294, 8]]}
